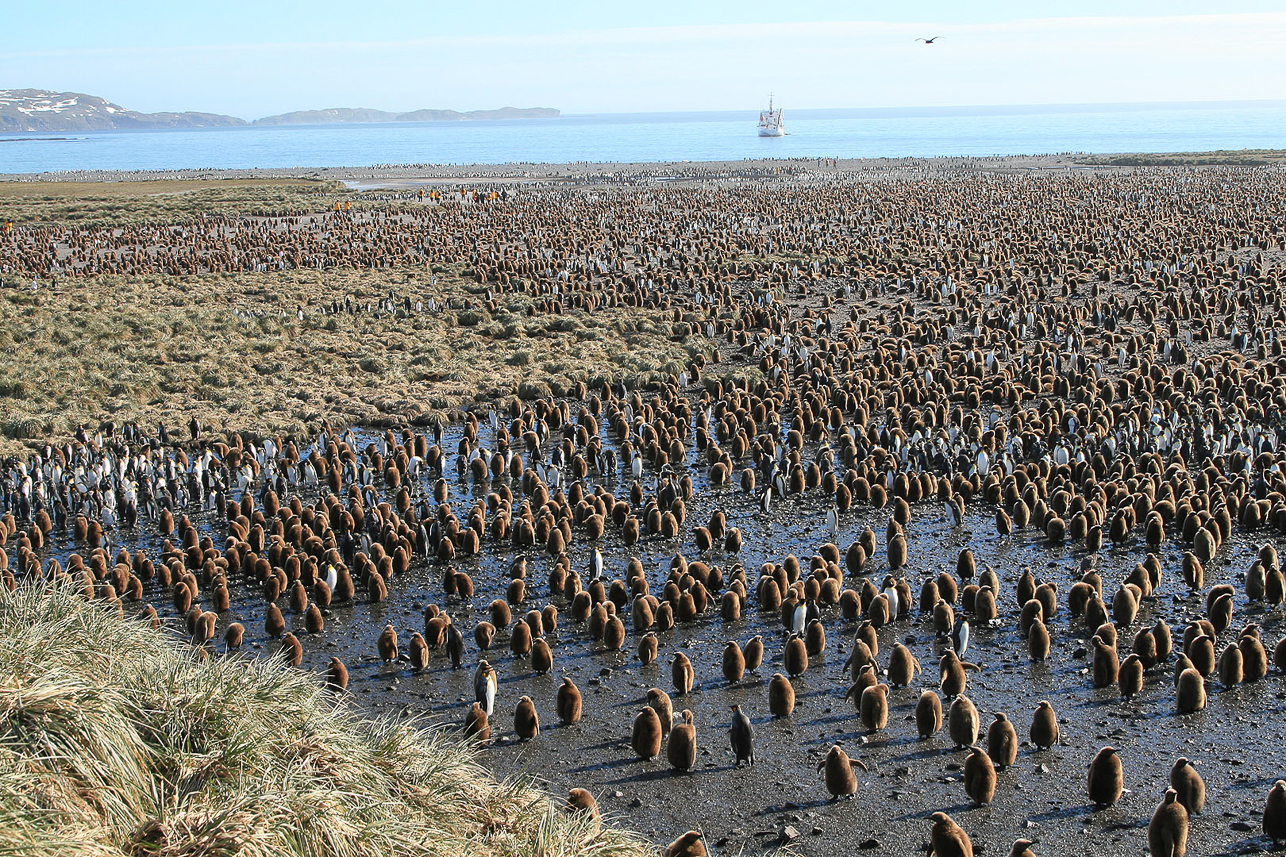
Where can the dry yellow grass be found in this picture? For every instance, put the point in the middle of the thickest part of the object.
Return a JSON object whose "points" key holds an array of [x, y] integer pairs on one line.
{"points": [[231, 350], [116, 739], [1222, 158], [121, 203]]}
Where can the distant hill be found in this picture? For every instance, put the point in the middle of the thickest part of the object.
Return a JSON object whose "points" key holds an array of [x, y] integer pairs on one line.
{"points": [[339, 115], [43, 110]]}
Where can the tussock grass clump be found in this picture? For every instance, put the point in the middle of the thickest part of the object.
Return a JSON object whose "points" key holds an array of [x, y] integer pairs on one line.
{"points": [[117, 739], [1221, 158], [232, 351], [128, 203]]}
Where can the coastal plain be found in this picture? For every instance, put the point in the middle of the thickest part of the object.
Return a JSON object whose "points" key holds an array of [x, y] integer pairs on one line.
{"points": [[878, 321]]}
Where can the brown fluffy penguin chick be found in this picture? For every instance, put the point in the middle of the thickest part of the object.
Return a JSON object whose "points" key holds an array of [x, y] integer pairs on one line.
{"points": [[1191, 692], [1279, 655], [1145, 646], [520, 639], [418, 651], [840, 772], [897, 552], [866, 678], [1181, 664], [687, 845], [979, 777], [313, 621], [1188, 784], [322, 594], [734, 662], [298, 597], [681, 748], [781, 696], [1275, 812], [795, 657], [476, 725], [581, 801], [962, 722], [1129, 678], [273, 622], [387, 644], [946, 839], [568, 702], [483, 633], [754, 653], [292, 650], [660, 702], [542, 657], [614, 634], [874, 707], [1038, 641], [337, 676], [233, 636], [681, 673], [903, 666], [1044, 726], [1105, 778], [1231, 667], [1002, 741], [1022, 848], [203, 630], [928, 714], [647, 648], [645, 736], [951, 672], [183, 597], [1168, 830], [344, 589], [815, 638], [526, 721], [1106, 667], [1254, 657]]}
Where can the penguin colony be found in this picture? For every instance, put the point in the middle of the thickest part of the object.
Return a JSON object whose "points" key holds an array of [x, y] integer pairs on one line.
{"points": [[1030, 421]]}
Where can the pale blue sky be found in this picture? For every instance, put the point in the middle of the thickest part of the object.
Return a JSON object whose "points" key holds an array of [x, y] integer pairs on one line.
{"points": [[251, 59]]}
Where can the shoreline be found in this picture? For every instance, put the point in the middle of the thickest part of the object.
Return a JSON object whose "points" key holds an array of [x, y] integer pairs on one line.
{"points": [[395, 175]]}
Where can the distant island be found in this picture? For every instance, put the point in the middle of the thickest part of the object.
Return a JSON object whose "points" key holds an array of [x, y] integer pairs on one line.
{"points": [[44, 110], [340, 115]]}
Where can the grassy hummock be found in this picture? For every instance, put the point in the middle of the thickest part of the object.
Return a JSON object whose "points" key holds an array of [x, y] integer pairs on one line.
{"points": [[170, 201], [117, 739], [232, 351]]}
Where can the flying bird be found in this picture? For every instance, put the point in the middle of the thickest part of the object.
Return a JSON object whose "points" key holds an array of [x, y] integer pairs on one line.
{"points": [[929, 41]]}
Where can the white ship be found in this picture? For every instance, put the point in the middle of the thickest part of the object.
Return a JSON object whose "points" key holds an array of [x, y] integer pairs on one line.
{"points": [[770, 122]]}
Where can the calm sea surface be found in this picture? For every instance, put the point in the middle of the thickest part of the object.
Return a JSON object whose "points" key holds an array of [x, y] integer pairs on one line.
{"points": [[666, 137]]}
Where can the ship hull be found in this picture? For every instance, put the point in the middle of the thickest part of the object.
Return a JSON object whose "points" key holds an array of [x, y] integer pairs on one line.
{"points": [[770, 122]]}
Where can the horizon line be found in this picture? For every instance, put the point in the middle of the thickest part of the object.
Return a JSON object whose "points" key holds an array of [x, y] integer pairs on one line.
{"points": [[1263, 102], [1008, 106]]}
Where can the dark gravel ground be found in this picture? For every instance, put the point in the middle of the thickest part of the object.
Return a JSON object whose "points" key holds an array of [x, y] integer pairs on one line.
{"points": [[1237, 741]]}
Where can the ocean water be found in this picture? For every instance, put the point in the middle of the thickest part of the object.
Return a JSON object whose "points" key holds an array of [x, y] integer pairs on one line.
{"points": [[642, 137]]}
